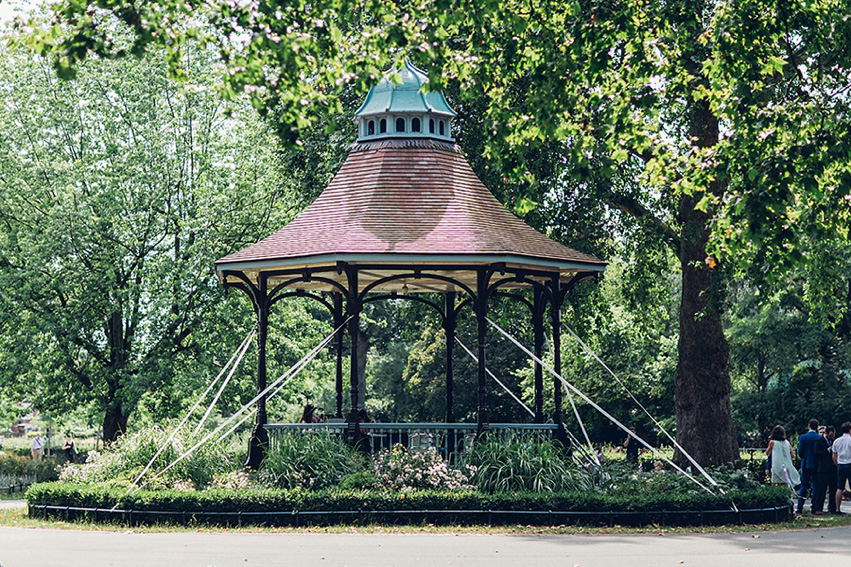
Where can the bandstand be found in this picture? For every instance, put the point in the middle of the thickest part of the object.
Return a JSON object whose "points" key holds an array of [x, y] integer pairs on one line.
{"points": [[406, 215]]}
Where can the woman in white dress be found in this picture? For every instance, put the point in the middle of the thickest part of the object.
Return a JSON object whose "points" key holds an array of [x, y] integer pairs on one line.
{"points": [[783, 471]]}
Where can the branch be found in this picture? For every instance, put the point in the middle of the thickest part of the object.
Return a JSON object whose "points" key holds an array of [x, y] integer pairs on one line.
{"points": [[644, 216]]}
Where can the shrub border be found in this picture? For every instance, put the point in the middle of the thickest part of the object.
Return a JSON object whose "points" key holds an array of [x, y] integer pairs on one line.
{"points": [[297, 518], [298, 507]]}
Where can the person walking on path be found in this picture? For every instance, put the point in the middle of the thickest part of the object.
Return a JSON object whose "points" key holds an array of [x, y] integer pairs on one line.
{"points": [[782, 469], [825, 473], [809, 465], [842, 460], [37, 447]]}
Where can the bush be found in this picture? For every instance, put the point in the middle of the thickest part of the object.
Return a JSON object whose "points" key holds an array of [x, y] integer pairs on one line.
{"points": [[623, 480], [19, 467], [127, 457], [236, 480], [400, 469], [358, 481], [516, 462], [313, 460]]}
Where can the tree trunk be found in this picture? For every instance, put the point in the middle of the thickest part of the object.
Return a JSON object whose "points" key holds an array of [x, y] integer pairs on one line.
{"points": [[702, 382], [115, 419], [114, 423]]}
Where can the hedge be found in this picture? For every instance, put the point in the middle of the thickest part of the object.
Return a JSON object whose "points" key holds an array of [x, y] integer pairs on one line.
{"points": [[273, 506]]}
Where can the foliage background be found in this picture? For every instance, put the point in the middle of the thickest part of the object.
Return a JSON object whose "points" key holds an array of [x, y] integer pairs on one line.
{"points": [[575, 114]]}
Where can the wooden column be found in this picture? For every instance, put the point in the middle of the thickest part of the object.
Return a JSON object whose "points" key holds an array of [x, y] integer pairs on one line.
{"points": [[482, 279], [555, 313], [538, 306], [450, 323], [338, 344], [259, 441], [353, 432]]}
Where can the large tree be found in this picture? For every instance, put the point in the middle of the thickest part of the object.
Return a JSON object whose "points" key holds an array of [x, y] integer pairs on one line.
{"points": [[734, 113], [117, 192]]}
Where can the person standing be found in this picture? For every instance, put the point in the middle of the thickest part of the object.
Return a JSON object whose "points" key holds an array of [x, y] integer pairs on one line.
{"points": [[631, 445], [809, 465], [782, 469], [842, 460], [37, 447], [69, 448], [825, 483]]}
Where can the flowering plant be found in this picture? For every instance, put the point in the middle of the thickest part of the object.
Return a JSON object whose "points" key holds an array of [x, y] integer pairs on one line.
{"points": [[400, 469]]}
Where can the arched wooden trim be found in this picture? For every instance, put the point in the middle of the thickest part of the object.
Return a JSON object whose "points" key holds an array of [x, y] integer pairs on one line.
{"points": [[521, 278], [463, 304], [578, 278], [244, 285], [418, 276], [302, 293], [309, 278], [515, 297], [247, 291], [374, 298]]}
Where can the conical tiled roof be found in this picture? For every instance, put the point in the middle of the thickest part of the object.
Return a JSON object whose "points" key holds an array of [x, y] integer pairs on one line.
{"points": [[408, 201], [405, 201], [415, 197]]}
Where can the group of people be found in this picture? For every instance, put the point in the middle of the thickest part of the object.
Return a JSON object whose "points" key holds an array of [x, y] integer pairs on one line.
{"points": [[37, 448], [825, 465]]}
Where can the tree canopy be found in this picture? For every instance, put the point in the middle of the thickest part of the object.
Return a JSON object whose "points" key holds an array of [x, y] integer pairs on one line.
{"points": [[118, 190], [717, 129]]}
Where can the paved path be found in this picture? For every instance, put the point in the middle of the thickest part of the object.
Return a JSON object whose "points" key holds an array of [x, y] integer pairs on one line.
{"points": [[12, 504], [22, 547]]}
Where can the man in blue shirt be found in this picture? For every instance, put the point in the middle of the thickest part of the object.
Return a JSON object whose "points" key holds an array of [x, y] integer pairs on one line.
{"points": [[809, 463]]}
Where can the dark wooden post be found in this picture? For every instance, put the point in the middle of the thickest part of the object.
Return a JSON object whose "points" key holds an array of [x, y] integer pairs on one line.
{"points": [[338, 344], [482, 279], [259, 441], [538, 306], [353, 433], [555, 312], [450, 322]]}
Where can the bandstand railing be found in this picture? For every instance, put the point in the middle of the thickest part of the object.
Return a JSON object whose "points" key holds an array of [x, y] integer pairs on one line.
{"points": [[447, 438]]}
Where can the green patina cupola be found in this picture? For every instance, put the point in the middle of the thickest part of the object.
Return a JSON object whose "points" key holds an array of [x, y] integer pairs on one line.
{"points": [[398, 107]]}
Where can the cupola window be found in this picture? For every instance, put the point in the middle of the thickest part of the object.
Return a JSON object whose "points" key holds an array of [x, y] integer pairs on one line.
{"points": [[415, 113]]}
